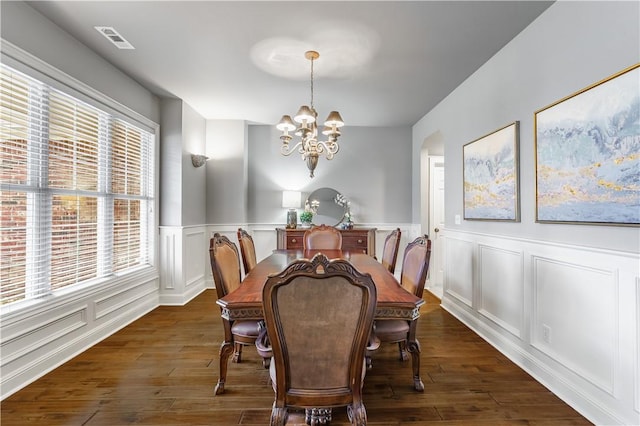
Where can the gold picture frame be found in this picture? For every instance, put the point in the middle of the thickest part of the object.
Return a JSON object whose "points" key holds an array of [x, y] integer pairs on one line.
{"points": [[491, 176], [587, 154]]}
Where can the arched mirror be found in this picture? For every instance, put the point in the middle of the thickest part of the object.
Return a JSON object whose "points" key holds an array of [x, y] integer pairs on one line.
{"points": [[329, 206]]}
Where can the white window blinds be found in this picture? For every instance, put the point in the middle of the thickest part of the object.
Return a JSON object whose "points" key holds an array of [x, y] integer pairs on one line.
{"points": [[75, 191]]}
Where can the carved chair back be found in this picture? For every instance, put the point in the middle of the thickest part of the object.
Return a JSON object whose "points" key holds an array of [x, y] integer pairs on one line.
{"points": [[322, 237], [247, 250], [225, 264], [318, 339], [415, 265], [390, 250]]}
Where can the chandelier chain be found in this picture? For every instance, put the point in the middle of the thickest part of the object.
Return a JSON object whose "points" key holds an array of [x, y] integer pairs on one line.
{"points": [[312, 84]]}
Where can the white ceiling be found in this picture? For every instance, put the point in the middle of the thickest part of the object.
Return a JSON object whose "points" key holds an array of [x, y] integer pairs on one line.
{"points": [[382, 63]]}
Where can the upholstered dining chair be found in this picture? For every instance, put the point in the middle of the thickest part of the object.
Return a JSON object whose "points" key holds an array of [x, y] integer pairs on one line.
{"points": [[322, 237], [247, 250], [415, 266], [225, 266], [318, 340], [390, 250]]}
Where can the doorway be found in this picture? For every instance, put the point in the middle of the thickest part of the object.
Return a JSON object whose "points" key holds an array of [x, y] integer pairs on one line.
{"points": [[436, 224], [432, 195]]}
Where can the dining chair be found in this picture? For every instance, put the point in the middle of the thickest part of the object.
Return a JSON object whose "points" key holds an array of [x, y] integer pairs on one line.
{"points": [[390, 250], [247, 250], [322, 237], [415, 266], [225, 266], [318, 340]]}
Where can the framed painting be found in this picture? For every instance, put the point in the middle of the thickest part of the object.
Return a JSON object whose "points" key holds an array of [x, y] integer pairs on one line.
{"points": [[491, 176], [587, 149]]}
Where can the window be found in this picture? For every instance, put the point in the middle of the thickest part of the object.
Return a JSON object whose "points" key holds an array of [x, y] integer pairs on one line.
{"points": [[76, 191]]}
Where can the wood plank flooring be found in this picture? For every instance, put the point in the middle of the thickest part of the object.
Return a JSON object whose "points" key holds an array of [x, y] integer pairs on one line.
{"points": [[161, 370]]}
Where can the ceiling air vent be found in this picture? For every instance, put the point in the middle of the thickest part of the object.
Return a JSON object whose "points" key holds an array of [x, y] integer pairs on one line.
{"points": [[114, 37]]}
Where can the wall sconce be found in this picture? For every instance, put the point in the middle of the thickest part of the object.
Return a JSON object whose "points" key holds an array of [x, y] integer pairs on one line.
{"points": [[198, 160]]}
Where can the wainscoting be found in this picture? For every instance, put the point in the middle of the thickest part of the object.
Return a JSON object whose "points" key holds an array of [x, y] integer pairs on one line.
{"points": [[39, 337], [568, 315]]}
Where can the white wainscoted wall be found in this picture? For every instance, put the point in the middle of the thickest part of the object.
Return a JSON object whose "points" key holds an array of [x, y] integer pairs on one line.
{"points": [[37, 339], [566, 314], [184, 263]]}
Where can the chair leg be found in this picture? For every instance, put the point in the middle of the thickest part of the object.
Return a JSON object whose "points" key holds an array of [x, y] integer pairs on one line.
{"points": [[357, 414], [278, 416], [237, 353], [402, 346]]}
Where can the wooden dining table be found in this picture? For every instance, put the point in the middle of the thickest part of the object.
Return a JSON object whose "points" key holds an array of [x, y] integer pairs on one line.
{"points": [[393, 301]]}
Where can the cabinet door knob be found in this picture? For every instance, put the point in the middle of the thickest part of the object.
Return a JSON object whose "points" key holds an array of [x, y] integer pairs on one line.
{"points": [[293, 240], [359, 241]]}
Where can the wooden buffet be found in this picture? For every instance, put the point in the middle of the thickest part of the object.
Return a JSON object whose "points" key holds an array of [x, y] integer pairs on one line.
{"points": [[354, 240]]}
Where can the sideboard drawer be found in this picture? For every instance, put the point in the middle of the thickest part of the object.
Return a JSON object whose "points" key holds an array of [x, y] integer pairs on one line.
{"points": [[294, 241], [355, 242]]}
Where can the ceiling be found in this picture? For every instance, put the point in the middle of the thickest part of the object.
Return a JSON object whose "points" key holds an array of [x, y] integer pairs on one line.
{"points": [[382, 63]]}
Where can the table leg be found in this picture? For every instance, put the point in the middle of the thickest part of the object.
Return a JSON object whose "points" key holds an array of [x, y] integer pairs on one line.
{"points": [[414, 350], [225, 352]]}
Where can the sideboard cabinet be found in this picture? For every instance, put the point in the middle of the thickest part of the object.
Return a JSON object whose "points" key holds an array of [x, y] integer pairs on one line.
{"points": [[363, 239]]}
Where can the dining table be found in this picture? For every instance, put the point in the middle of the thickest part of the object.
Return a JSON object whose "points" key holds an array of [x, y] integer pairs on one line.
{"points": [[393, 301]]}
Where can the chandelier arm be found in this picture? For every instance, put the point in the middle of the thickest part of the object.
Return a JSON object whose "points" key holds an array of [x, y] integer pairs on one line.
{"points": [[332, 145], [287, 150], [330, 149], [334, 148], [302, 150]]}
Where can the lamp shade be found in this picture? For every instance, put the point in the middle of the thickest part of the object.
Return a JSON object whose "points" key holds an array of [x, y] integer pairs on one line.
{"points": [[291, 199], [285, 124], [305, 114], [334, 119]]}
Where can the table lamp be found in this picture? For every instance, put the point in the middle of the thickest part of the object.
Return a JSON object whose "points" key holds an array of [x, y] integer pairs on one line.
{"points": [[291, 201]]}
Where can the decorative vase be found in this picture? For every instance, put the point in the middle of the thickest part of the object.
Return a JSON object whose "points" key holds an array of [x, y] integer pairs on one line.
{"points": [[292, 219]]}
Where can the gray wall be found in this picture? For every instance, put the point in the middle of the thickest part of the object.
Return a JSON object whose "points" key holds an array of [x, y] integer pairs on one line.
{"points": [[182, 186], [226, 172], [29, 30], [170, 162], [372, 169], [194, 183], [569, 47]]}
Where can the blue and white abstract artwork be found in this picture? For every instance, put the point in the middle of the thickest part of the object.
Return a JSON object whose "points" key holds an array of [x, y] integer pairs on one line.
{"points": [[491, 176], [588, 154]]}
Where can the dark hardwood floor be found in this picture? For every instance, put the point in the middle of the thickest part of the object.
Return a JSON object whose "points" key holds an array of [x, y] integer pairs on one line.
{"points": [[161, 370]]}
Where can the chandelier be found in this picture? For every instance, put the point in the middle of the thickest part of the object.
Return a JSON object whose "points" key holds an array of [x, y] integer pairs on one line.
{"points": [[309, 147]]}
